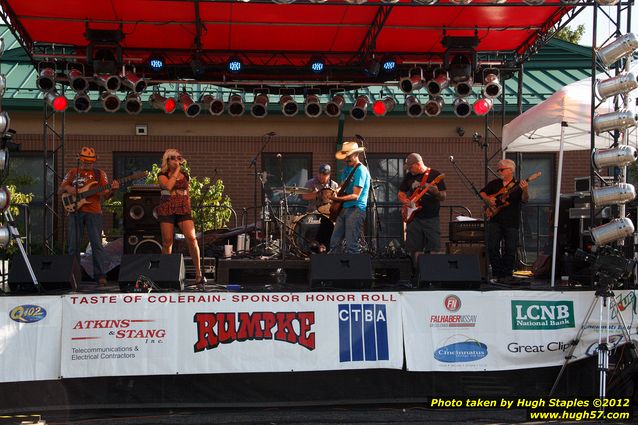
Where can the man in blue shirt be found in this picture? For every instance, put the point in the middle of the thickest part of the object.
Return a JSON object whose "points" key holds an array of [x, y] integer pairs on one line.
{"points": [[353, 197]]}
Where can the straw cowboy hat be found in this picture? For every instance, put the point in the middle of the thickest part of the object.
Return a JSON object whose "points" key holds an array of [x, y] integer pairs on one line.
{"points": [[348, 148]]}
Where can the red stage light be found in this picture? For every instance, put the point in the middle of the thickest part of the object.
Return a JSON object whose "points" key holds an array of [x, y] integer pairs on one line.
{"points": [[60, 103], [169, 105], [482, 106], [379, 108]]}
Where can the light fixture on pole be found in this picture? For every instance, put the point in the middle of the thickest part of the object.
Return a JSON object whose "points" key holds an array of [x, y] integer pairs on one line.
{"points": [[3, 84], [133, 104], [383, 106], [620, 47], [617, 120], [212, 104], [259, 108], [620, 156], [413, 107], [335, 105], [133, 81], [413, 82], [439, 83], [78, 82], [5, 122], [616, 194], [81, 103], [312, 106], [190, 107], [46, 77], [615, 230], [56, 101], [289, 107], [109, 82], [491, 85], [433, 106], [162, 103], [461, 108], [109, 101], [236, 106], [620, 84], [360, 108], [482, 106]]}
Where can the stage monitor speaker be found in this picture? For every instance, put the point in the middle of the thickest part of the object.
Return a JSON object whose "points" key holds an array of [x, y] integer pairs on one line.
{"points": [[470, 249], [143, 241], [340, 271], [165, 271], [460, 271], [54, 272], [140, 210]]}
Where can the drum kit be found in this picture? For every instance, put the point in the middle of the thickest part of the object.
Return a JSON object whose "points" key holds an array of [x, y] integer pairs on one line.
{"points": [[308, 232]]}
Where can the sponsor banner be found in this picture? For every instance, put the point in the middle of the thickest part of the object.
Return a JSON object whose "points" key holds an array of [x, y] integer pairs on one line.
{"points": [[30, 338], [167, 333], [501, 330]]}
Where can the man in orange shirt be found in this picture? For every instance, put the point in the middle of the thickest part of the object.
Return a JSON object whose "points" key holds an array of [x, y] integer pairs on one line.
{"points": [[89, 214]]}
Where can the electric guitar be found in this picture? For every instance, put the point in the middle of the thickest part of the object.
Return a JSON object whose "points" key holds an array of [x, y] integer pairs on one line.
{"points": [[72, 202], [408, 211], [503, 194]]}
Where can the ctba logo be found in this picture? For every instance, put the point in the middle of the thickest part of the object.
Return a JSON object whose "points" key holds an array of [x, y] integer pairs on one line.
{"points": [[363, 332], [536, 314]]}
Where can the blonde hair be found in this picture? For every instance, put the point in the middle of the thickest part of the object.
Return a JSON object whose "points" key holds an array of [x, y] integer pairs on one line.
{"points": [[168, 153], [507, 163]]}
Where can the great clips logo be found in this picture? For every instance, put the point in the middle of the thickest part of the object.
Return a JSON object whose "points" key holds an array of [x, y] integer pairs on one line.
{"points": [[363, 332], [223, 328]]}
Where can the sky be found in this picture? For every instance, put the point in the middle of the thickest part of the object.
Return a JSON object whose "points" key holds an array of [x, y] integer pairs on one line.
{"points": [[604, 25]]}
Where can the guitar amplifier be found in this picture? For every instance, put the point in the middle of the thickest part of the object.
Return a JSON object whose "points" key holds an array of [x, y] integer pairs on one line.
{"points": [[467, 231], [140, 209]]}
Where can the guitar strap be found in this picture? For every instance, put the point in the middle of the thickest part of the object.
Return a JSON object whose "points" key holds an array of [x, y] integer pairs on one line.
{"points": [[347, 182], [424, 180]]}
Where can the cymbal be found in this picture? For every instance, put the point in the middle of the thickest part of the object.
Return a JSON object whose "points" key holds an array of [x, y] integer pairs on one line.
{"points": [[293, 190]]}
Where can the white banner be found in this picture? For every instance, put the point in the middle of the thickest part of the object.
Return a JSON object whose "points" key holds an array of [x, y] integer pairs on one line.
{"points": [[30, 338], [500, 330], [167, 333]]}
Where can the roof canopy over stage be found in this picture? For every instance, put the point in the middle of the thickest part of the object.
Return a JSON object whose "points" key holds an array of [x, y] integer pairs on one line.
{"points": [[277, 42]]}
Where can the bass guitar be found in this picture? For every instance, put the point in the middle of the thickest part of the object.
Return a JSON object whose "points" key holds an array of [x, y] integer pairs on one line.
{"points": [[408, 211], [503, 195], [72, 202]]}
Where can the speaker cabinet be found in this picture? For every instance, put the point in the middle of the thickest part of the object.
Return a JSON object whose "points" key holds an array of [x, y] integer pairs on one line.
{"points": [[143, 241], [140, 210], [477, 249], [459, 271], [54, 272], [340, 271], [165, 271]]}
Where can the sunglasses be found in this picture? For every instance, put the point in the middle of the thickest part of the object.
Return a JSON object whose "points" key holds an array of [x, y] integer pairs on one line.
{"points": [[173, 158], [502, 169]]}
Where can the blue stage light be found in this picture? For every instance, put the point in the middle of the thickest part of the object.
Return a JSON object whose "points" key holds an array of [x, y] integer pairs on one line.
{"points": [[317, 65], [156, 63], [389, 64], [234, 65]]}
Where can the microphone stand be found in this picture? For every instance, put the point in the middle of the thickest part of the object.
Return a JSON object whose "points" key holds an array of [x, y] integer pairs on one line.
{"points": [[253, 163], [376, 221]]}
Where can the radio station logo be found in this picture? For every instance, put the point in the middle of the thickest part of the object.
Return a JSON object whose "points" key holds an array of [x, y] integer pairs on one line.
{"points": [[468, 350], [452, 303], [227, 327], [542, 315], [27, 313], [363, 333]]}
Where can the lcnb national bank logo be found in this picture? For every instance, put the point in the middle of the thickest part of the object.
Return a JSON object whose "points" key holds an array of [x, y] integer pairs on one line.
{"points": [[538, 314], [363, 333]]}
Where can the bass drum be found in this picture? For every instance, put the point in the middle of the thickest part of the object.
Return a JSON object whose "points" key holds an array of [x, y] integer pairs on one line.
{"points": [[311, 233]]}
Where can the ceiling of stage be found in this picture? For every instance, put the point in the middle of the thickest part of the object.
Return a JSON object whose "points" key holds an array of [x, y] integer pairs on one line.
{"points": [[275, 41]]}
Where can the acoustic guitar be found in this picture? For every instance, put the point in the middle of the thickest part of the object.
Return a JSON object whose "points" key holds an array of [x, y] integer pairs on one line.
{"points": [[337, 206], [503, 194], [408, 211], [72, 203]]}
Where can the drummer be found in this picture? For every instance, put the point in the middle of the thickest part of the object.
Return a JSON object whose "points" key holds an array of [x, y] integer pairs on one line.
{"points": [[322, 187]]}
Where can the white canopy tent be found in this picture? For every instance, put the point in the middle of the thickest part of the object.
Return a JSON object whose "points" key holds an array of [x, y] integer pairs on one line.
{"points": [[559, 123]]}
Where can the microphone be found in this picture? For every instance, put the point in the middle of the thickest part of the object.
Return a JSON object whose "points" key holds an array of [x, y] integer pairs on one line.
{"points": [[359, 137], [271, 134], [278, 156], [452, 159]]}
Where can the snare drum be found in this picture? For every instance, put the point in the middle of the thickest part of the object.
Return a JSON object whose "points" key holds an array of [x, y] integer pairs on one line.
{"points": [[311, 230]]}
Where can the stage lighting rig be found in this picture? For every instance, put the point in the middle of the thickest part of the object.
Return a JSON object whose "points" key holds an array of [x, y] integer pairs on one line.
{"points": [[234, 65], [360, 108], [163, 103], [620, 84], [618, 120], [56, 101], [439, 83], [78, 82], [413, 82], [317, 65], [214, 105], [616, 230], [109, 82], [383, 106], [433, 106], [259, 108], [312, 106], [289, 107], [236, 106], [81, 102], [109, 101], [190, 107], [46, 76], [5, 121], [413, 107], [482, 106], [622, 46], [620, 156], [133, 104], [3, 84], [461, 108], [491, 85], [133, 82], [156, 62], [335, 105]]}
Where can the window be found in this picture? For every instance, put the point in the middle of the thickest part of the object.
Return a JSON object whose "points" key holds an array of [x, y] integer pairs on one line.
{"points": [[297, 170], [27, 173]]}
